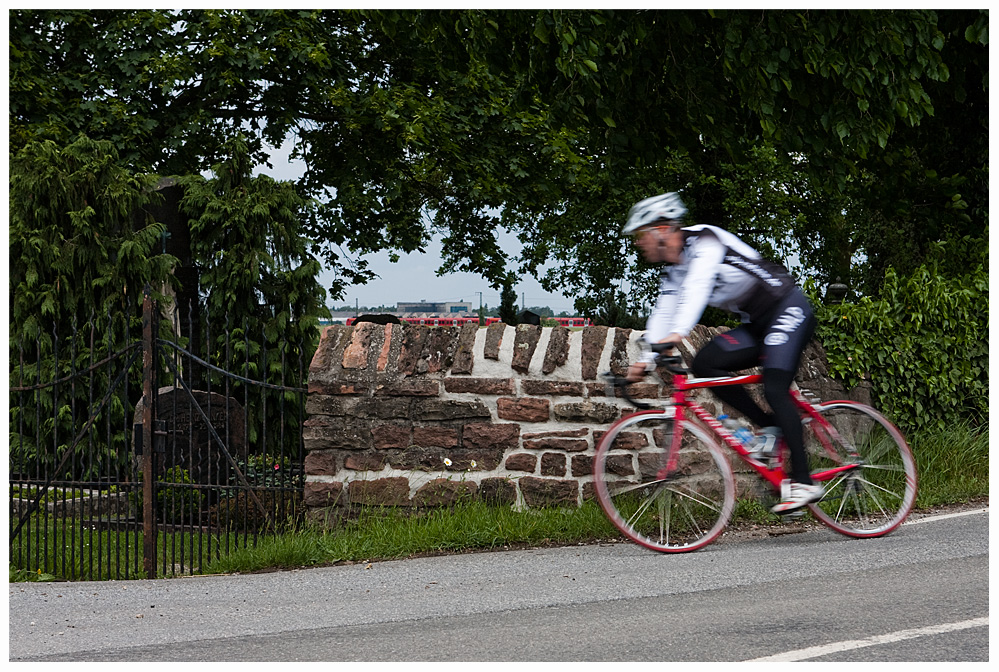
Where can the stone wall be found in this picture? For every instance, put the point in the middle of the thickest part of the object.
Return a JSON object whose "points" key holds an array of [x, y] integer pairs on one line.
{"points": [[408, 415]]}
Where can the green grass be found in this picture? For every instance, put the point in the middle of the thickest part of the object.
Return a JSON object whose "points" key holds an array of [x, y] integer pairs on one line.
{"points": [[396, 533], [953, 467]]}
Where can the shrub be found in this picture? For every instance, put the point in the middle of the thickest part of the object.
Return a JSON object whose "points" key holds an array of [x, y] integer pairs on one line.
{"points": [[923, 344]]}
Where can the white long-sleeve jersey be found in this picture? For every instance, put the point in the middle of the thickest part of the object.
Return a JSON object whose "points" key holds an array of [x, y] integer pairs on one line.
{"points": [[716, 269]]}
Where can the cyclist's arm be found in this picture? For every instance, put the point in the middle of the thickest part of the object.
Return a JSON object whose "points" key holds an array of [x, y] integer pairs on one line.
{"points": [[703, 263], [680, 305]]}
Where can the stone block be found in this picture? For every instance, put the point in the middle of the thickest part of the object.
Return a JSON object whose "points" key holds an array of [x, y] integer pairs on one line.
{"points": [[524, 344], [438, 350], [444, 492], [442, 410], [627, 440], [321, 463], [383, 356], [435, 437], [380, 492], [582, 465], [553, 464], [343, 435], [410, 387], [364, 462], [542, 492], [485, 386], [329, 352], [355, 355], [413, 337], [523, 409], [464, 357], [498, 491], [594, 340], [490, 436], [388, 436], [636, 390], [323, 494], [494, 338], [619, 465], [522, 462], [474, 459], [418, 459], [552, 388], [587, 412], [337, 387], [557, 353], [554, 443], [558, 434], [619, 352]]}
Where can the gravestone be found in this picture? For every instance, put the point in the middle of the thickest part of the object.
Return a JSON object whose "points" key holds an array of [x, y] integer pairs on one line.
{"points": [[185, 439]]}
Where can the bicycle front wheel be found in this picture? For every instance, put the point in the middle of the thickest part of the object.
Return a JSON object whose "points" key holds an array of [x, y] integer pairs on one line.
{"points": [[865, 467], [666, 499]]}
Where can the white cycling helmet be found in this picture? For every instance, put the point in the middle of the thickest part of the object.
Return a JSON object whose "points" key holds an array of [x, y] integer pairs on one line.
{"points": [[651, 210]]}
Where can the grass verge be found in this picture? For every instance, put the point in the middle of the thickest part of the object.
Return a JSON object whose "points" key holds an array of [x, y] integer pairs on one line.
{"points": [[953, 467]]}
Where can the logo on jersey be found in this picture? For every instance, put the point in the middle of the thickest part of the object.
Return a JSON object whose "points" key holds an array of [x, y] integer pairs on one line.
{"points": [[775, 338], [787, 323], [754, 269]]}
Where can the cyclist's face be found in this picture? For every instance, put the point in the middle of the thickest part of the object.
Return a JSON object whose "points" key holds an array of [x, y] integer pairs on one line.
{"points": [[660, 243]]}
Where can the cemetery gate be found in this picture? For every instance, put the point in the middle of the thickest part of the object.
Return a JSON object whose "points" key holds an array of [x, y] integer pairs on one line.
{"points": [[152, 455]]}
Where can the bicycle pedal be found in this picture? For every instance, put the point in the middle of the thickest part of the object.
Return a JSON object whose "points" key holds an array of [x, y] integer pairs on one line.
{"points": [[793, 515]]}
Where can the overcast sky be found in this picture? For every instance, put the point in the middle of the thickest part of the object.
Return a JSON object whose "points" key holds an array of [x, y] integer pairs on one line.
{"points": [[414, 277]]}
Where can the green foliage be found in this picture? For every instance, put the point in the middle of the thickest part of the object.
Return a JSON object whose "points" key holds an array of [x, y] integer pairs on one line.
{"points": [[614, 313], [177, 501], [24, 575], [82, 250], [854, 139], [175, 504], [79, 243], [923, 344], [259, 280]]}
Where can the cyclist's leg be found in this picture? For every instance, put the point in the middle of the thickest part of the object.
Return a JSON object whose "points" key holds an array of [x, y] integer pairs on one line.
{"points": [[734, 350], [777, 391], [785, 340]]}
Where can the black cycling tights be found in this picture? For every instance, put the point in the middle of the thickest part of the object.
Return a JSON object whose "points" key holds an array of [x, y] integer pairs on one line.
{"points": [[713, 361]]}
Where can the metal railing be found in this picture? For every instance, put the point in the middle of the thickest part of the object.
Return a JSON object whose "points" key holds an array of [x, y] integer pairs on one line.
{"points": [[136, 458]]}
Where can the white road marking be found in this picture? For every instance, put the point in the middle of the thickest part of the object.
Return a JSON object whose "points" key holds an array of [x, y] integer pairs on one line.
{"points": [[930, 519], [836, 647]]}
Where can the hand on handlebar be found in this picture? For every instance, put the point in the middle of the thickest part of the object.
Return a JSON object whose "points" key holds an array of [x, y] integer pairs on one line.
{"points": [[636, 372]]}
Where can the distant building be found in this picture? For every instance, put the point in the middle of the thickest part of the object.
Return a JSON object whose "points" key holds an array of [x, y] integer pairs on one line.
{"points": [[439, 307]]}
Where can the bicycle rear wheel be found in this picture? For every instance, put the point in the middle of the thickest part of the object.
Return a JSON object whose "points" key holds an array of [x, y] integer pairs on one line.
{"points": [[865, 467], [667, 507]]}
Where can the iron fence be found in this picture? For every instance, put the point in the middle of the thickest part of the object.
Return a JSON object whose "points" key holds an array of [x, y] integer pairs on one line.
{"points": [[144, 455]]}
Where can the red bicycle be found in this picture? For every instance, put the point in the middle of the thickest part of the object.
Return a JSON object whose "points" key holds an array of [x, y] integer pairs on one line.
{"points": [[663, 479]]}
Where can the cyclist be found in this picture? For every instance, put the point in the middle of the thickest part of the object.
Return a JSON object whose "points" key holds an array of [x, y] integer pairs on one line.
{"points": [[706, 265]]}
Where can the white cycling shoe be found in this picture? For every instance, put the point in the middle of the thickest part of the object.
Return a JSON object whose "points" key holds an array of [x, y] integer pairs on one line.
{"points": [[796, 495]]}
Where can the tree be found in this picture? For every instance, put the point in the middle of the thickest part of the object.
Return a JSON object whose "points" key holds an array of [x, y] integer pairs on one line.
{"points": [[507, 311], [545, 123], [81, 242], [252, 255]]}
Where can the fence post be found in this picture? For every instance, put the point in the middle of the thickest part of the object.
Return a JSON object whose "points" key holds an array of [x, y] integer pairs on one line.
{"points": [[148, 477]]}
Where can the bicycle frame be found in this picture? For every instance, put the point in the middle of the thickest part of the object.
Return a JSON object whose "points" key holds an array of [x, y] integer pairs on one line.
{"points": [[773, 475]]}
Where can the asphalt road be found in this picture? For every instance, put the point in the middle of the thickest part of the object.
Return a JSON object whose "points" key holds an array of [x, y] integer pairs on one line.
{"points": [[919, 594]]}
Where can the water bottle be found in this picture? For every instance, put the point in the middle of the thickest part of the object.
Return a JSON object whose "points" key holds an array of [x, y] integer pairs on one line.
{"points": [[741, 433]]}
